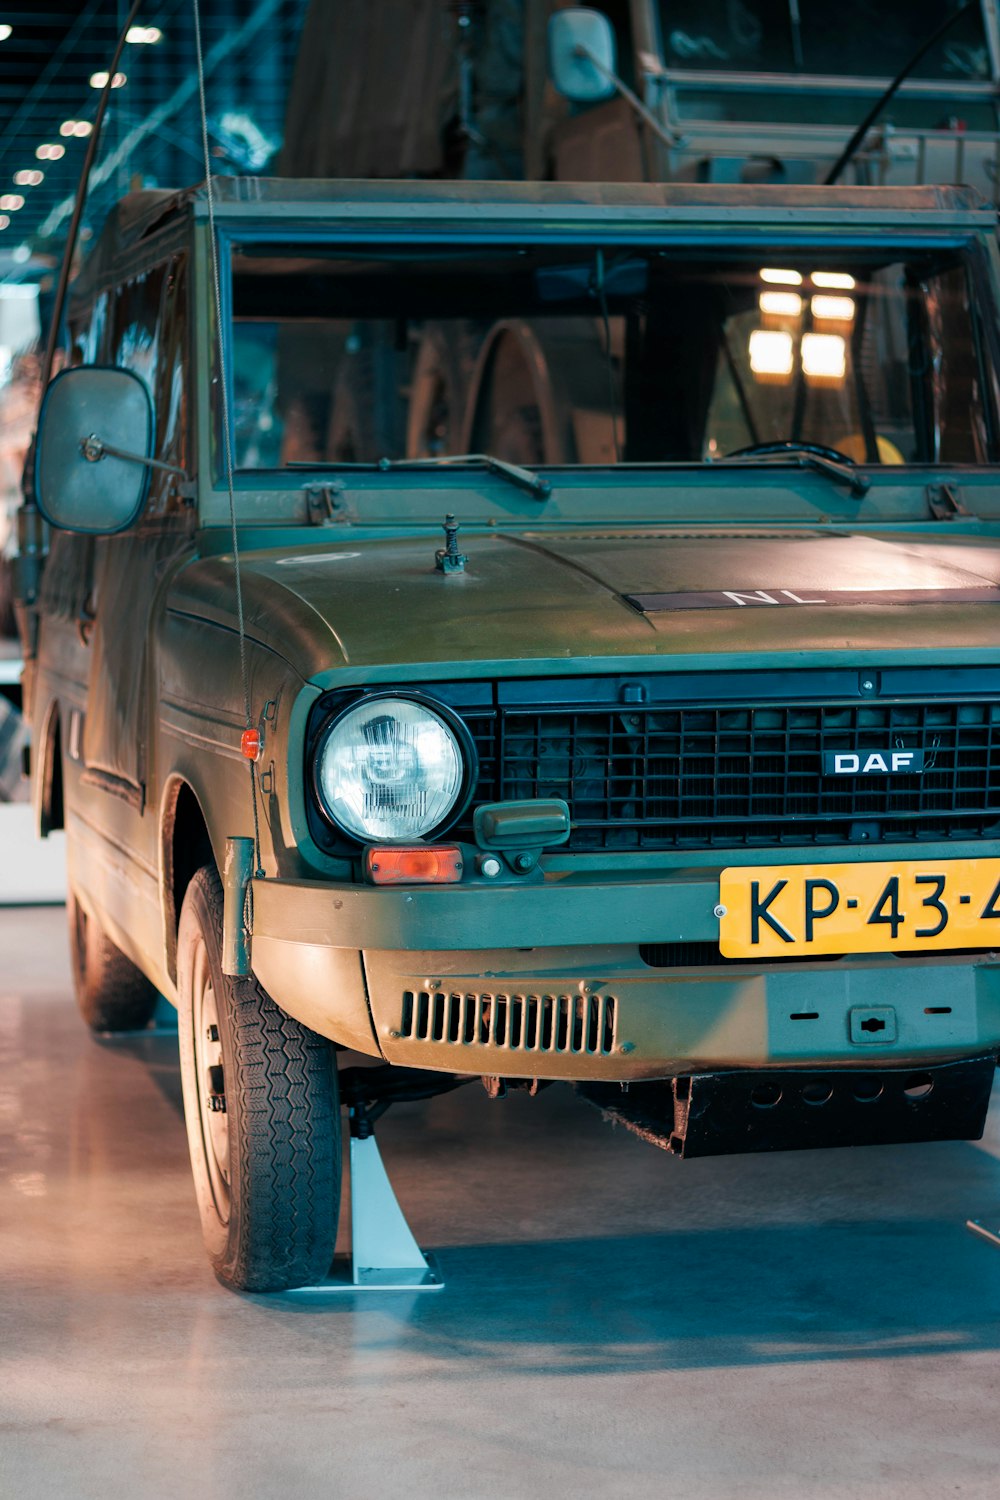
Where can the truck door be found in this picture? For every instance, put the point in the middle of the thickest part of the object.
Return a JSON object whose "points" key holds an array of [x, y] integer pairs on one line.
{"points": [[148, 336]]}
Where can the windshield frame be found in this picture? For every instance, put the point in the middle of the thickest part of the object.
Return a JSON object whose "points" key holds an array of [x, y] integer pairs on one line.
{"points": [[853, 238]]}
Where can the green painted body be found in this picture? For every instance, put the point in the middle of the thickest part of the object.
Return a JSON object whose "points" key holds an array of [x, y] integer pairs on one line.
{"points": [[142, 707]]}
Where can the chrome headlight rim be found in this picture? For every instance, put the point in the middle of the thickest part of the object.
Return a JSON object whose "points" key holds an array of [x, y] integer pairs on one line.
{"points": [[451, 720]]}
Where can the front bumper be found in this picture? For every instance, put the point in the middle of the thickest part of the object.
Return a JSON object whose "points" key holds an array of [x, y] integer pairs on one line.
{"points": [[546, 980]]}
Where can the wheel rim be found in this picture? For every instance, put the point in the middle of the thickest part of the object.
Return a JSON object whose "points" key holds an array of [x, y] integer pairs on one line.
{"points": [[210, 1078]]}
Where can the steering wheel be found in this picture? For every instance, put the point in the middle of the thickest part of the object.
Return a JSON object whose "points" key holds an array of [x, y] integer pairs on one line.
{"points": [[821, 450]]}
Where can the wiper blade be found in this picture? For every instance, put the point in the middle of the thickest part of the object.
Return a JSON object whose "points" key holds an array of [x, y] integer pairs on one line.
{"points": [[525, 479], [856, 480]]}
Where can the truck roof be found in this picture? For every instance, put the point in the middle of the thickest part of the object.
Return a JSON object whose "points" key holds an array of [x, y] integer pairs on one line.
{"points": [[581, 206], [249, 196]]}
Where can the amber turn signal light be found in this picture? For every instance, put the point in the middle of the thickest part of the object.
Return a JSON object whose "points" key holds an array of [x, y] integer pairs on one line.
{"points": [[395, 864]]}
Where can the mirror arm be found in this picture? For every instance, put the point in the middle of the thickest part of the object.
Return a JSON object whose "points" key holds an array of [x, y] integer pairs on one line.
{"points": [[94, 449], [668, 137]]}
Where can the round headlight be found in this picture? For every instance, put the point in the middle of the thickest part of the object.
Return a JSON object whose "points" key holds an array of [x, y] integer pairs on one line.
{"points": [[389, 769]]}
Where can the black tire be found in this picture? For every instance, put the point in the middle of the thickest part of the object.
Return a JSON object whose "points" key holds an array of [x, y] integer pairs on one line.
{"points": [[368, 413], [262, 1108], [112, 994], [507, 419], [439, 389]]}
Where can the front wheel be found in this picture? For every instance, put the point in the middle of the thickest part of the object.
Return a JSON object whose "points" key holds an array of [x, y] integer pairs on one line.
{"points": [[262, 1109]]}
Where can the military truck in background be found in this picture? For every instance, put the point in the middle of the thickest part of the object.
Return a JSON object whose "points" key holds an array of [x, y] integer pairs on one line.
{"points": [[765, 93], [646, 90]]}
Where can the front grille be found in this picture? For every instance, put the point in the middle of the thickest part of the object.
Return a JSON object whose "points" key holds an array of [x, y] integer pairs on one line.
{"points": [[740, 776], [550, 1024]]}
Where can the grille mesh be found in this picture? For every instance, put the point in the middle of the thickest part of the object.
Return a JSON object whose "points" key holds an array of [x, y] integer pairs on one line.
{"points": [[547, 1024], [743, 775]]}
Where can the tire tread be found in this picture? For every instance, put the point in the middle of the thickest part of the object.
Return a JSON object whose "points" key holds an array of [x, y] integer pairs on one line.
{"points": [[285, 1202]]}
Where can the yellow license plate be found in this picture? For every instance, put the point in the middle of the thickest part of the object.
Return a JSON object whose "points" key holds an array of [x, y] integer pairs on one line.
{"points": [[778, 911]]}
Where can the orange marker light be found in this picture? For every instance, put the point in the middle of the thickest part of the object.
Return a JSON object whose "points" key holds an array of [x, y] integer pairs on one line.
{"points": [[393, 864], [250, 744]]}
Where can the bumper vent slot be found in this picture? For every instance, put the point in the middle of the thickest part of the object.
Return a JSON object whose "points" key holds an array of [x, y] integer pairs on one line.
{"points": [[575, 1025]]}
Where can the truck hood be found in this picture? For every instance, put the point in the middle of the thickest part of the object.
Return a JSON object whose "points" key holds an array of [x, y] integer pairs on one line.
{"points": [[551, 597]]}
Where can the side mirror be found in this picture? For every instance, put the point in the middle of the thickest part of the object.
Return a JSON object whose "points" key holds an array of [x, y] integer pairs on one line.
{"points": [[582, 54], [93, 450]]}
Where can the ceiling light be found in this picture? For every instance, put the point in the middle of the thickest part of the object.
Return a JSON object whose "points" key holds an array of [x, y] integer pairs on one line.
{"points": [[4, 221], [5, 31], [781, 278], [100, 81], [833, 309], [771, 354], [21, 254], [144, 36], [824, 356], [781, 304], [11, 202], [75, 127], [29, 178], [49, 151], [835, 280]]}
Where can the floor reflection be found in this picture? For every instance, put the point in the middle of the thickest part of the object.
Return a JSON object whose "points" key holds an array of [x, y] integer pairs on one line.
{"points": [[609, 1312]]}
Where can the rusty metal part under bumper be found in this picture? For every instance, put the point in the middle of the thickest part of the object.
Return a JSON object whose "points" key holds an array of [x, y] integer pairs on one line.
{"points": [[726, 1113]]}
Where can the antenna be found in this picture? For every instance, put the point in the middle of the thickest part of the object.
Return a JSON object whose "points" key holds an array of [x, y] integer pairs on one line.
{"points": [[251, 739]]}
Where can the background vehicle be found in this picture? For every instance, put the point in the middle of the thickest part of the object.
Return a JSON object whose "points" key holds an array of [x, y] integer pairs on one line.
{"points": [[755, 93], [742, 91], [556, 797]]}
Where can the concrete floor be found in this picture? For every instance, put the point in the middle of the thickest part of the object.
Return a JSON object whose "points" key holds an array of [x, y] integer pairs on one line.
{"points": [[615, 1323]]}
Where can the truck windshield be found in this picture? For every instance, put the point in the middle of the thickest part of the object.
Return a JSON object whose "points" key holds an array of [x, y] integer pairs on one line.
{"points": [[809, 36], [556, 354]]}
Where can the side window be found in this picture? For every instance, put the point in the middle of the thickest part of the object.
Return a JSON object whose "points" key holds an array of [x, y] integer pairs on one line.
{"points": [[135, 335], [958, 399], [149, 337], [170, 392], [89, 333]]}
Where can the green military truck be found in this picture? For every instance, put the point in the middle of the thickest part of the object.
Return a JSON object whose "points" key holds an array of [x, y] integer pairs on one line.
{"points": [[644, 736]]}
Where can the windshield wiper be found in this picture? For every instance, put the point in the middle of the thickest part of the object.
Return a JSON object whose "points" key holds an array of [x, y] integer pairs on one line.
{"points": [[525, 479], [805, 456]]}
